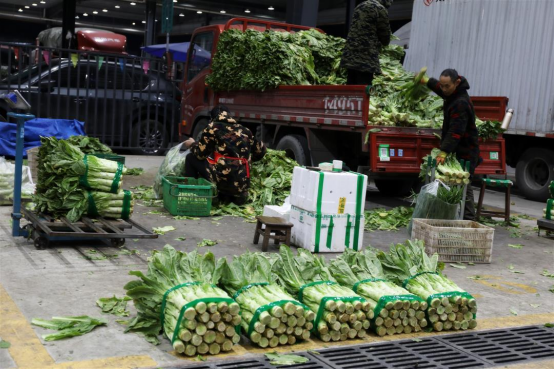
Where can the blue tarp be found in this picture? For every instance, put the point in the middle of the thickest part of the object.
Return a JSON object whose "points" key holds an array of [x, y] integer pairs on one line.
{"points": [[59, 128], [178, 50]]}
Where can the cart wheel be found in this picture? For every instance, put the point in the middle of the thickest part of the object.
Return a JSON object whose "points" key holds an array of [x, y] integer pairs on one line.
{"points": [[41, 243], [118, 242]]}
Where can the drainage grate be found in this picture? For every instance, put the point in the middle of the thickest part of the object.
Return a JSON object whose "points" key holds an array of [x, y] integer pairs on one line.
{"points": [[486, 349], [506, 345]]}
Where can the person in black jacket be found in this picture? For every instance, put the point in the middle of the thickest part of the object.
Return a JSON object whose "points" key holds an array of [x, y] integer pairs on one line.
{"points": [[459, 132]]}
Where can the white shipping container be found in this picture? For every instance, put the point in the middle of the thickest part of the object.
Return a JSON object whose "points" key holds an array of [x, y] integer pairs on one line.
{"points": [[341, 192], [326, 233], [502, 47]]}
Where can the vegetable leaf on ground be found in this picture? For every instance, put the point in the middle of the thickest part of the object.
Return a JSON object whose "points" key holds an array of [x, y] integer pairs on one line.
{"points": [[69, 326], [114, 305], [207, 243], [4, 344], [282, 359], [388, 220], [163, 230], [516, 246]]}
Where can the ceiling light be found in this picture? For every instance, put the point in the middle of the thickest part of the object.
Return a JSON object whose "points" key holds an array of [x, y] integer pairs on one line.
{"points": [[117, 7], [174, 1], [34, 4], [181, 15], [199, 12], [271, 8], [143, 21], [95, 12], [20, 10], [85, 15], [133, 23], [223, 12], [133, 3], [42, 2], [27, 6], [247, 11], [76, 17], [105, 10]]}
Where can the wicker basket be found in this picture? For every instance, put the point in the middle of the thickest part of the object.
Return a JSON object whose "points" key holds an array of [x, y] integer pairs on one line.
{"points": [[32, 160], [455, 240]]}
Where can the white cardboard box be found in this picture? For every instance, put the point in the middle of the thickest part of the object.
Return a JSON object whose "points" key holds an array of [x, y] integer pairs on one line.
{"points": [[278, 211], [329, 233], [341, 192]]}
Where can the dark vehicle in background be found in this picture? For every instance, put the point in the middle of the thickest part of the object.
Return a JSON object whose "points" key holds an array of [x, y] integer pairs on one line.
{"points": [[122, 103]]}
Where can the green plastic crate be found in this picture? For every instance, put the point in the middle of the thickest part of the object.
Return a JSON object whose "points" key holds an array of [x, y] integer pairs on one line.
{"points": [[188, 196], [112, 157]]}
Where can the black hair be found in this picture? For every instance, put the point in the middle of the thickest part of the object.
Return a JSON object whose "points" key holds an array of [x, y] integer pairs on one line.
{"points": [[215, 112], [450, 73]]}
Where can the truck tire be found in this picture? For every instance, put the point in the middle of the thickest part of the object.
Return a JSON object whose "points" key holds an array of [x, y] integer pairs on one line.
{"points": [[296, 147], [394, 187], [199, 128], [534, 172]]}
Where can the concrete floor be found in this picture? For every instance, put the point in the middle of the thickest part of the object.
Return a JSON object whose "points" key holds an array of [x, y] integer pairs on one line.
{"points": [[60, 281]]}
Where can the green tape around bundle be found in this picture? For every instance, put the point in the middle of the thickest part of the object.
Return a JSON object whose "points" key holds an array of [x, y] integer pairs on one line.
{"points": [[83, 180], [366, 281], [126, 209], [383, 300], [318, 219], [450, 294], [263, 308], [311, 284], [164, 298], [92, 211], [348, 227], [117, 178], [357, 221], [324, 300], [549, 207], [247, 287], [193, 303], [407, 280]]}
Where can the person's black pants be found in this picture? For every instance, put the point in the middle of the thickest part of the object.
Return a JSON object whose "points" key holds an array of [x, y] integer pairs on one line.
{"points": [[196, 168], [356, 77], [469, 206]]}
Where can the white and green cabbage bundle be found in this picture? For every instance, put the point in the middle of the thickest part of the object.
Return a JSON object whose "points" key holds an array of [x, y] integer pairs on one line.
{"points": [[72, 183], [178, 297], [449, 306], [270, 316], [396, 310], [450, 172], [340, 313]]}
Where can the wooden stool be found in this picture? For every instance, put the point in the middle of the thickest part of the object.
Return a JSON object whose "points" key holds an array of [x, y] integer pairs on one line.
{"points": [[280, 228], [495, 183]]}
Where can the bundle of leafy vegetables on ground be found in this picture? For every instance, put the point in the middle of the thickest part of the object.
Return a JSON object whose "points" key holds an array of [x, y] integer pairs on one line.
{"points": [[258, 61], [341, 314], [450, 172], [380, 219], [178, 296], [270, 316], [68, 326], [449, 307], [72, 183], [396, 310], [270, 184]]}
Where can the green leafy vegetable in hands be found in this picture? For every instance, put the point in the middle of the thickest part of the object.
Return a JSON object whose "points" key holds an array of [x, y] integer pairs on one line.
{"points": [[450, 172], [70, 326], [169, 268], [114, 305], [207, 243], [388, 220], [282, 359], [270, 329]]}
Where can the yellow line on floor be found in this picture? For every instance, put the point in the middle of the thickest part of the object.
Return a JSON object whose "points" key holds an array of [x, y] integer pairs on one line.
{"points": [[26, 349], [544, 364], [28, 352]]}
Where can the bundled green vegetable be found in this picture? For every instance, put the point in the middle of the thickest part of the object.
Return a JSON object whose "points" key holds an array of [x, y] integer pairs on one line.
{"points": [[271, 180], [68, 326], [450, 172], [66, 174], [340, 313], [396, 310], [271, 317], [178, 296], [89, 145], [450, 307]]}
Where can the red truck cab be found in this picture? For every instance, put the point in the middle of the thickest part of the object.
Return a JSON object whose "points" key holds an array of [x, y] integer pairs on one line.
{"points": [[316, 124]]}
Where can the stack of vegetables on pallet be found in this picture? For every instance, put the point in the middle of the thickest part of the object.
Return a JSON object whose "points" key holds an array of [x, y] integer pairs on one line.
{"points": [[271, 317], [178, 295], [72, 182], [449, 307], [341, 314], [396, 310]]}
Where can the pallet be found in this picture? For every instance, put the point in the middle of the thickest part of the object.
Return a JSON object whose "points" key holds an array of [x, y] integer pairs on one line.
{"points": [[545, 224], [43, 229]]}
